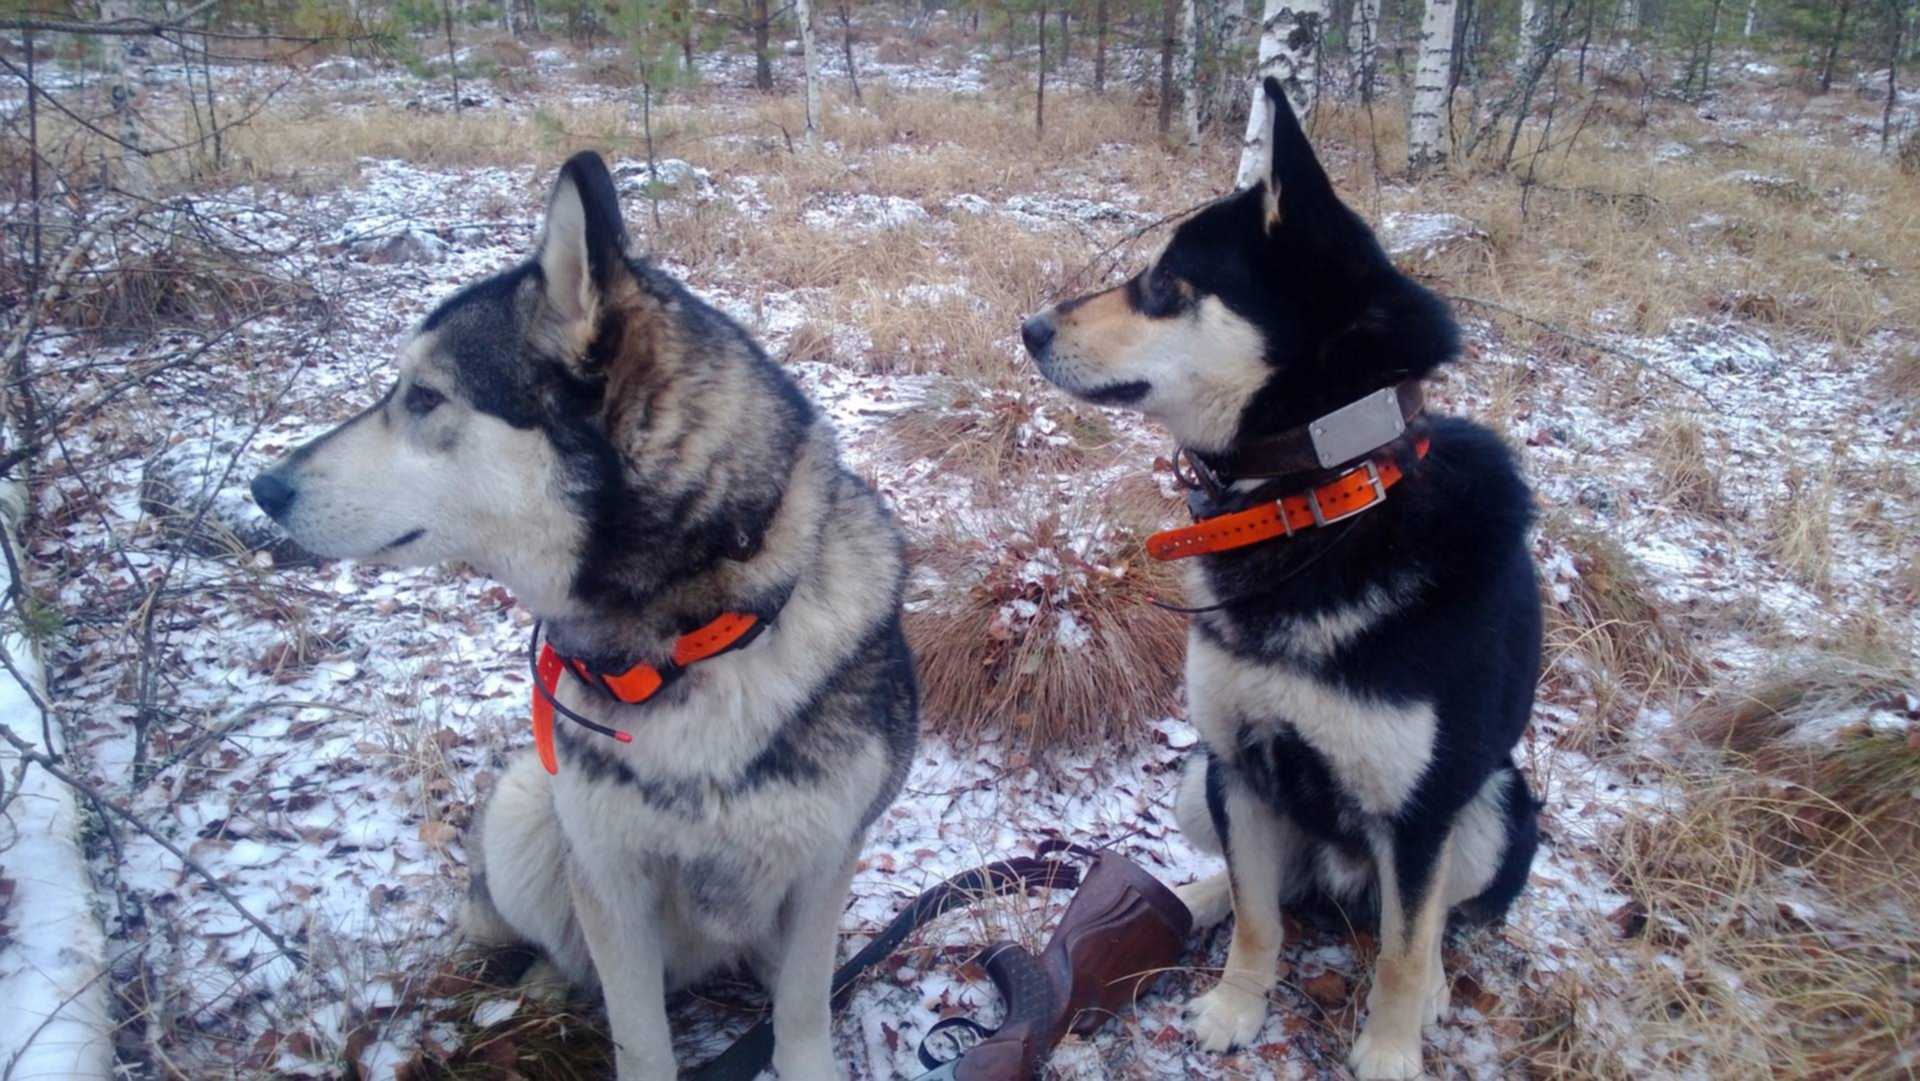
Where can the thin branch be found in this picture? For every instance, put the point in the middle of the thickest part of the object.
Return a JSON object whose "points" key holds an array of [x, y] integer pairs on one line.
{"points": [[30, 753], [1591, 343], [128, 27]]}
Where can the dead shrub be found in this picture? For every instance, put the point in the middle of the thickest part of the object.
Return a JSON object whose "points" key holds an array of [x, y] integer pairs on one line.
{"points": [[1043, 634], [171, 281], [1610, 637], [1909, 159], [809, 342]]}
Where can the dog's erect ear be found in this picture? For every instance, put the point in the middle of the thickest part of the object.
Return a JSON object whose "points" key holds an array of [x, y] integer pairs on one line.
{"points": [[1296, 184], [583, 243]]}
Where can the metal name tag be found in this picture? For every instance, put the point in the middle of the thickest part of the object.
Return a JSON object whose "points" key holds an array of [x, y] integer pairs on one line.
{"points": [[1357, 427]]}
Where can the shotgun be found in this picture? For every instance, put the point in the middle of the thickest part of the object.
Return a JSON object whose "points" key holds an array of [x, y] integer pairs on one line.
{"points": [[1122, 930]]}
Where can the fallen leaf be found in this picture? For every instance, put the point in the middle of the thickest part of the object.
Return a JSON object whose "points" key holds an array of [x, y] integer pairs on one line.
{"points": [[1328, 989]]}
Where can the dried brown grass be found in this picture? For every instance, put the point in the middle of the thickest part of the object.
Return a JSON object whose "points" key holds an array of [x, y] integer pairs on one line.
{"points": [[1801, 531], [1819, 238], [1770, 920], [1766, 977], [1860, 778], [1611, 639], [1683, 468], [1043, 633], [987, 434], [1901, 376]]}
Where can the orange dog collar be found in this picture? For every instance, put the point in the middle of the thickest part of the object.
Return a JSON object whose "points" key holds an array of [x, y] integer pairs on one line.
{"points": [[1358, 489], [732, 630]]}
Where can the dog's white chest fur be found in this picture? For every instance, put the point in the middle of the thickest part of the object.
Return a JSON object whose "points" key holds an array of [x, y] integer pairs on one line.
{"points": [[1376, 750]]}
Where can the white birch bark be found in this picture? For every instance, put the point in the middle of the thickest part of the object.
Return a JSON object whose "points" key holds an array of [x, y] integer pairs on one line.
{"points": [[1363, 33], [1190, 71], [1753, 10], [1629, 17], [127, 55], [1529, 32], [56, 1022], [1425, 148], [810, 57], [1289, 51]]}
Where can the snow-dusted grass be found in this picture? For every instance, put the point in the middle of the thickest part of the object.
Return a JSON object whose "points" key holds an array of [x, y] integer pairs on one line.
{"points": [[319, 737]]}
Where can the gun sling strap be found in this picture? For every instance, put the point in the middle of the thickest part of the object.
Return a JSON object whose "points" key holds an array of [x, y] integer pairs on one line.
{"points": [[752, 1052]]}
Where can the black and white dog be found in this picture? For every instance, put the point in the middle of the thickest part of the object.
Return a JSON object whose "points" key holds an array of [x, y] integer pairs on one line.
{"points": [[1364, 656]]}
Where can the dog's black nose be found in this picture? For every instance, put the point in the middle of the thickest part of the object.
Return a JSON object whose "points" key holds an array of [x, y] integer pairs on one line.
{"points": [[1037, 332], [273, 494]]}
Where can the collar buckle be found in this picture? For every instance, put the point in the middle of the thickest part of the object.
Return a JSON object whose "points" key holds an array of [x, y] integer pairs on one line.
{"points": [[1195, 475], [1321, 518]]}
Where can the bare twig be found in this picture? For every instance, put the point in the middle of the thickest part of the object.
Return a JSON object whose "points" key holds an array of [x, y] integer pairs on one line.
{"points": [[1591, 343], [1073, 282], [237, 720], [30, 753], [127, 27]]}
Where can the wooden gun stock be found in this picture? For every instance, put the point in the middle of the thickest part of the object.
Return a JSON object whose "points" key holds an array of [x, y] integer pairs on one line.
{"points": [[1122, 930]]}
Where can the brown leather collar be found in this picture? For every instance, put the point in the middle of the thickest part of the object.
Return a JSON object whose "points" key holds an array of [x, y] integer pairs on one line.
{"points": [[1292, 453]]}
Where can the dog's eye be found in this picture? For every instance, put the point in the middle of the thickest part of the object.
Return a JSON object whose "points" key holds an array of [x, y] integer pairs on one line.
{"points": [[422, 400], [1160, 293]]}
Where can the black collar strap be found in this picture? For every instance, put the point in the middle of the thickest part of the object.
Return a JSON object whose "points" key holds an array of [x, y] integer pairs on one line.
{"points": [[1321, 446]]}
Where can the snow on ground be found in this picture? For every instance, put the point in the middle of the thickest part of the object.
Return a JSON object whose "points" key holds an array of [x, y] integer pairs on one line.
{"points": [[363, 712]]}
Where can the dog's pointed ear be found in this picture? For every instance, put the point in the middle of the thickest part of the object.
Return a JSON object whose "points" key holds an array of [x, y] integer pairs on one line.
{"points": [[583, 243], [1296, 184]]}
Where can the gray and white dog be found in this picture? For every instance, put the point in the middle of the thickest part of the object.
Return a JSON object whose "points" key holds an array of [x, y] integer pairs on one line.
{"points": [[629, 463]]}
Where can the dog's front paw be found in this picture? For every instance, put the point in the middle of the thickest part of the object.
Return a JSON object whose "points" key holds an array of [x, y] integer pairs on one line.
{"points": [[806, 1065], [1375, 1058], [1227, 1017]]}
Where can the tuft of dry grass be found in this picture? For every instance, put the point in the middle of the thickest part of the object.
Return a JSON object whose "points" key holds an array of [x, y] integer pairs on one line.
{"points": [[1901, 376], [1749, 968], [1771, 894], [1801, 537], [1683, 468], [1043, 632], [171, 280], [1611, 635], [1811, 726], [989, 434]]}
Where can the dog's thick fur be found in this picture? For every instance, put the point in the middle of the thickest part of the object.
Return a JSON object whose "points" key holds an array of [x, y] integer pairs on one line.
{"points": [[631, 465], [1359, 687]]}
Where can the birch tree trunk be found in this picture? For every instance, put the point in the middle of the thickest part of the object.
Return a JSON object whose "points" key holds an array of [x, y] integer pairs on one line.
{"points": [[1753, 11], [1190, 71], [1164, 120], [1290, 52], [1529, 31], [810, 59], [1099, 46], [128, 56], [1364, 32], [1629, 18], [1424, 147]]}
